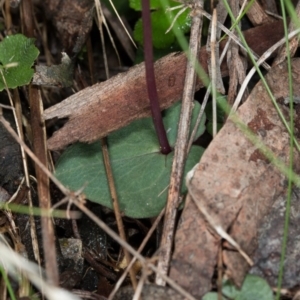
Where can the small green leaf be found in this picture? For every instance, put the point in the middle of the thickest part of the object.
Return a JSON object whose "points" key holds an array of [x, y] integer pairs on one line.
{"points": [[253, 288], [229, 289], [17, 55], [160, 24], [141, 172], [211, 296], [137, 4]]}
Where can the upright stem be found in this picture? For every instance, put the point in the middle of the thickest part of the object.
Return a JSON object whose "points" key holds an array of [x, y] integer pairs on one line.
{"points": [[150, 79]]}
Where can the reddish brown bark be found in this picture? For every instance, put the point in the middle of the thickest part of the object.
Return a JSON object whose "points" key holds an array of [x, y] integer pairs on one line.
{"points": [[107, 106]]}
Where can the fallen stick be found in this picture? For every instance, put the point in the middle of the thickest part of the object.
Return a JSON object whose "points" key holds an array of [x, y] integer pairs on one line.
{"points": [[107, 106]]}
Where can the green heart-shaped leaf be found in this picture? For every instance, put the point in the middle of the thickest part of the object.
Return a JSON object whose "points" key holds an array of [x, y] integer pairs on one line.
{"points": [[140, 171]]}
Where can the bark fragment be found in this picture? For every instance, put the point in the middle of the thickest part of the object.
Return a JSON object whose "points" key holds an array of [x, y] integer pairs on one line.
{"points": [[104, 107], [236, 190]]}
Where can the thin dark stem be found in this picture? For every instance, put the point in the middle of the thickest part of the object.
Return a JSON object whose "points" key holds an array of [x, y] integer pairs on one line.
{"points": [[150, 79]]}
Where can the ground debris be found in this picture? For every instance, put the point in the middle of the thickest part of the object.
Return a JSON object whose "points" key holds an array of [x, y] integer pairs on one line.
{"points": [[149, 292], [235, 187]]}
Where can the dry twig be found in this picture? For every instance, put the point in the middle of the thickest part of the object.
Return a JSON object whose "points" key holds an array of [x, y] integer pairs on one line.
{"points": [[180, 152]]}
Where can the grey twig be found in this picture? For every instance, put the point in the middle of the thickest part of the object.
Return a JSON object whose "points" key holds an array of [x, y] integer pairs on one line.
{"points": [[181, 143]]}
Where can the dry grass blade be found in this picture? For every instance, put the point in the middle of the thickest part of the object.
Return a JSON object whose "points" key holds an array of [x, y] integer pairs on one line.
{"points": [[182, 10], [125, 40], [229, 33], [238, 62], [205, 100], [219, 15], [14, 263], [138, 292], [101, 20], [264, 57], [214, 65], [117, 14]]}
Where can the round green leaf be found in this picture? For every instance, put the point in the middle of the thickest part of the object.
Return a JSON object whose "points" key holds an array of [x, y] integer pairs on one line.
{"points": [[140, 171], [17, 55]]}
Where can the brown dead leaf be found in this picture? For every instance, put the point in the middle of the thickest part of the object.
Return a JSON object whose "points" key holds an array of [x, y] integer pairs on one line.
{"points": [[236, 185], [73, 20], [104, 107]]}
